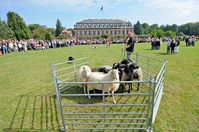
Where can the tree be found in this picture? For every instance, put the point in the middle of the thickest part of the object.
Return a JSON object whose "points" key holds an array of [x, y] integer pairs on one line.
{"points": [[138, 29], [180, 34], [59, 28], [5, 31], [32, 27], [17, 24], [154, 26], [170, 34], [104, 36], [146, 28], [190, 28], [158, 33], [42, 33], [48, 37]]}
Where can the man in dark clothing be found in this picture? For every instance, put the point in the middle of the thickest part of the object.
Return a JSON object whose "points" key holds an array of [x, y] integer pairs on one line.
{"points": [[172, 45], [130, 45]]}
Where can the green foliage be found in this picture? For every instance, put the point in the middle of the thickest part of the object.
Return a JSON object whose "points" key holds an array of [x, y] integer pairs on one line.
{"points": [[186, 29], [59, 28], [33, 27], [180, 34], [138, 29], [48, 37], [5, 31], [146, 28], [104, 36], [42, 33], [190, 28], [170, 34], [158, 33], [17, 24]]}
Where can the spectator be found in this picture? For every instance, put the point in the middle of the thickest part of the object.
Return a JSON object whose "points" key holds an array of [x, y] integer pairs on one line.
{"points": [[168, 46], [172, 45], [129, 45]]}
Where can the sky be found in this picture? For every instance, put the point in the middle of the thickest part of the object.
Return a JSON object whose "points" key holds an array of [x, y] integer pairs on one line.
{"points": [[46, 12]]}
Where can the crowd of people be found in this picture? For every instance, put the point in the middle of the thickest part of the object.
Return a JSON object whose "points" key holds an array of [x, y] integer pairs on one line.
{"points": [[190, 41], [173, 45], [9, 46]]}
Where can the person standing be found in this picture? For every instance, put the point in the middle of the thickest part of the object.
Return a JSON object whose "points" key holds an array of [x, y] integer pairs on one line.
{"points": [[168, 46], [129, 45], [172, 45]]}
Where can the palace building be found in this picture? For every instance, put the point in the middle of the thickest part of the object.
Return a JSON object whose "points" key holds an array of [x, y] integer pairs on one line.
{"points": [[92, 28]]}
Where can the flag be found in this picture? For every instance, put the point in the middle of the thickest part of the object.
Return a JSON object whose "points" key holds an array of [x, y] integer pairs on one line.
{"points": [[101, 8]]}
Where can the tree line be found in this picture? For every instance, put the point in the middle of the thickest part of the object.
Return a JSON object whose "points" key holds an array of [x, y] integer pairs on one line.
{"points": [[16, 28], [167, 30]]}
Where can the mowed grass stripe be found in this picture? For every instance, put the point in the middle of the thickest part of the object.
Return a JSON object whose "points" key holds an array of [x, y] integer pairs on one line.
{"points": [[29, 74]]}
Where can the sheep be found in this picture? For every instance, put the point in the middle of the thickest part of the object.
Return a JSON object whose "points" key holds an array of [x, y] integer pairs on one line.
{"points": [[104, 69], [128, 71], [137, 74], [112, 76], [83, 75]]}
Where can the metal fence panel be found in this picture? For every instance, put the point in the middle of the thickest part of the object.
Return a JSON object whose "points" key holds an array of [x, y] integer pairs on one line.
{"points": [[133, 111]]}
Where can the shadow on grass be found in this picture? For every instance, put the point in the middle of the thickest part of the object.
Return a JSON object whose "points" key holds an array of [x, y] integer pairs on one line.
{"points": [[76, 114], [35, 113]]}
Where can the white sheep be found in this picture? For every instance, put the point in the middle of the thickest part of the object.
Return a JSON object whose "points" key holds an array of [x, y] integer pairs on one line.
{"points": [[83, 75], [112, 76]]}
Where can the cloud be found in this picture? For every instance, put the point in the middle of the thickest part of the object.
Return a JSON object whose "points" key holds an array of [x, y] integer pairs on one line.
{"points": [[66, 3], [173, 7]]}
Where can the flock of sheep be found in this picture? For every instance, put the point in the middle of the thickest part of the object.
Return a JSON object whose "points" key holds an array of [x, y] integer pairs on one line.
{"points": [[126, 70]]}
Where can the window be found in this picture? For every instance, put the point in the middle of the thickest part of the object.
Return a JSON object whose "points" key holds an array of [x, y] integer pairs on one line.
{"points": [[119, 32], [115, 32], [85, 32], [80, 33], [111, 32], [94, 32], [107, 32], [89, 32], [98, 32]]}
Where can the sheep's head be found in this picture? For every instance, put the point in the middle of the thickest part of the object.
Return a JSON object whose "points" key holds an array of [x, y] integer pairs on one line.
{"points": [[114, 74], [133, 66], [86, 70], [116, 65]]}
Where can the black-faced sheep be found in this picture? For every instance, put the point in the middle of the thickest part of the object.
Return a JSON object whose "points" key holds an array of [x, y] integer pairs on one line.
{"points": [[104, 69], [128, 71]]}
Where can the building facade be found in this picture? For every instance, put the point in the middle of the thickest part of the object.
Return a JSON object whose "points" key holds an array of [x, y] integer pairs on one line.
{"points": [[92, 28]]}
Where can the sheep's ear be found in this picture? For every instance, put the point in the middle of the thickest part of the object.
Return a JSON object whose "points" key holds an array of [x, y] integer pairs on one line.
{"points": [[83, 68]]}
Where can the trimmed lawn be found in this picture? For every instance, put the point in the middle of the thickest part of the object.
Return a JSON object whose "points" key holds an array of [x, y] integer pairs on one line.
{"points": [[26, 86]]}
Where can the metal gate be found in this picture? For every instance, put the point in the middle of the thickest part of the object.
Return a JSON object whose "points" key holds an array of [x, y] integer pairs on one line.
{"points": [[134, 111]]}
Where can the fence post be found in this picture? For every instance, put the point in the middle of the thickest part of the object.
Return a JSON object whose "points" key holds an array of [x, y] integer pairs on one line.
{"points": [[58, 98], [148, 126], [148, 67], [152, 101]]}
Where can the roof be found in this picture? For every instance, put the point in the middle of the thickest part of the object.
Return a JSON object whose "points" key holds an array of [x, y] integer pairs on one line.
{"points": [[101, 21]]}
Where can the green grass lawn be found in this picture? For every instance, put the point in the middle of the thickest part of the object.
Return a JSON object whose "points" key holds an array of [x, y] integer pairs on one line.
{"points": [[26, 86]]}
